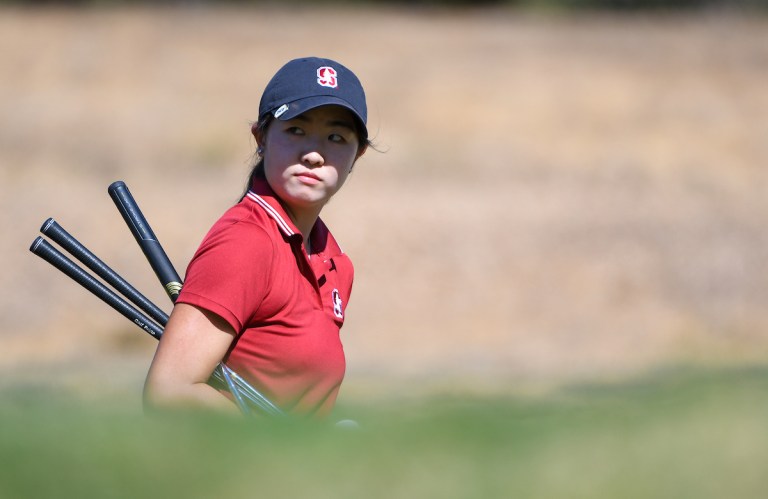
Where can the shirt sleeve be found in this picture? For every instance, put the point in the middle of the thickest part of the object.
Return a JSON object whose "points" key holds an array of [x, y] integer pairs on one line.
{"points": [[230, 271]]}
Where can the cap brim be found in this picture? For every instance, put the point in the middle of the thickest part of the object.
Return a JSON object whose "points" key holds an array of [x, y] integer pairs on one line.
{"points": [[301, 106]]}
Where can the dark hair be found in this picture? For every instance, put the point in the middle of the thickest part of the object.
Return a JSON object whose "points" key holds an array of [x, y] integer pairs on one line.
{"points": [[260, 129], [257, 170]]}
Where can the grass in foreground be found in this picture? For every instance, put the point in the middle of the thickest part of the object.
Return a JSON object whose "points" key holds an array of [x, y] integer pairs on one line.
{"points": [[678, 435]]}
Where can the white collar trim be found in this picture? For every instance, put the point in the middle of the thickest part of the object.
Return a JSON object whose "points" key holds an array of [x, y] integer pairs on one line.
{"points": [[284, 226]]}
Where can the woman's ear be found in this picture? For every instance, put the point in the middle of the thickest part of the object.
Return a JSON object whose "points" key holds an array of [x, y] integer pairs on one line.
{"points": [[258, 134], [361, 151]]}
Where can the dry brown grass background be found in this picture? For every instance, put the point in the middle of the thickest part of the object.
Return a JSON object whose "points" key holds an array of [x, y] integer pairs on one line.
{"points": [[557, 198]]}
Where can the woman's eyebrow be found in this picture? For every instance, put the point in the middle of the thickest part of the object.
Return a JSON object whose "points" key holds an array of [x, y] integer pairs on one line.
{"points": [[343, 124]]}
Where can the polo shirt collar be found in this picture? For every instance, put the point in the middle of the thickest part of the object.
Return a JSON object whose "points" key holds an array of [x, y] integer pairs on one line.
{"points": [[263, 195]]}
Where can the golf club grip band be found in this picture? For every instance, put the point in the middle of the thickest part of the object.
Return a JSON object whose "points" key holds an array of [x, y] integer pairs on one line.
{"points": [[47, 252], [64, 239], [143, 234]]}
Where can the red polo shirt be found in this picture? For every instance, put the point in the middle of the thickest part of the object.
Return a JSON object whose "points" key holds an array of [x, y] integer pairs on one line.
{"points": [[286, 308]]}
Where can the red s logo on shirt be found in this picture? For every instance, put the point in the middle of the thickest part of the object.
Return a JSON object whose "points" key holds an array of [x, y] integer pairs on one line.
{"points": [[337, 311]]}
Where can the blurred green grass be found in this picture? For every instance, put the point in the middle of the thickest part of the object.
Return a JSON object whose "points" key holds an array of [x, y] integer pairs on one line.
{"points": [[675, 434]]}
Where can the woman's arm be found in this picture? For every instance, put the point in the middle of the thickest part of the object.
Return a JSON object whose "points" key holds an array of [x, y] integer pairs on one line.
{"points": [[192, 345]]}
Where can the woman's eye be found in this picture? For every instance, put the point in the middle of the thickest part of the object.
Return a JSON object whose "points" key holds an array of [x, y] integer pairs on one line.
{"points": [[294, 130], [335, 137]]}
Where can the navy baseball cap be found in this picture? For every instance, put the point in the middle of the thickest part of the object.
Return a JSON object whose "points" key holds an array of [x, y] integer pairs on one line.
{"points": [[310, 82]]}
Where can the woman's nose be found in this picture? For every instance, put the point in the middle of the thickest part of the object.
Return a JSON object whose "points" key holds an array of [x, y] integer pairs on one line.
{"points": [[313, 158]]}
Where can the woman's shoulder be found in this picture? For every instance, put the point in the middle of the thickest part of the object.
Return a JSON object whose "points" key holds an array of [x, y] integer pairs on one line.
{"points": [[240, 224], [244, 217]]}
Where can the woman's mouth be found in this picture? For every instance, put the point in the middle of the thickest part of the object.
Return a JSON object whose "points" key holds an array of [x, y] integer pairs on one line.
{"points": [[308, 178]]}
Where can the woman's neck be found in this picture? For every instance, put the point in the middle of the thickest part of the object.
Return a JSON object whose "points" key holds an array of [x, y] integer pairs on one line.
{"points": [[304, 220]]}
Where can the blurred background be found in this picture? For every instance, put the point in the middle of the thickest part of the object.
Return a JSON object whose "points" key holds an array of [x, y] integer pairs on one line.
{"points": [[561, 192]]}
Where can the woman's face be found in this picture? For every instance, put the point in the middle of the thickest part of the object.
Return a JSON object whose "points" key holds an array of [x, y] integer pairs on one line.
{"points": [[308, 158]]}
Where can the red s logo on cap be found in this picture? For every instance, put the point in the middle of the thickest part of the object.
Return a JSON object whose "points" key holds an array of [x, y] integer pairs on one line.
{"points": [[326, 76]]}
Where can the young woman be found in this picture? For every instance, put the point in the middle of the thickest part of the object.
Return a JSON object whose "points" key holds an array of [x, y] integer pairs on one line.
{"points": [[266, 291]]}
